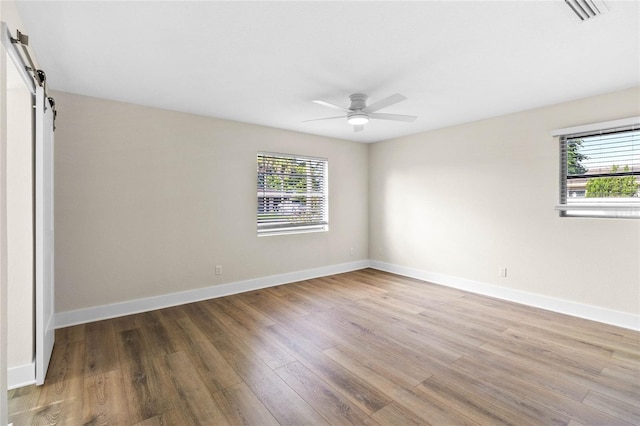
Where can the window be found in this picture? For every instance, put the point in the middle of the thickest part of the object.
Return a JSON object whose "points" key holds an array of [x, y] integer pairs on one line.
{"points": [[600, 170], [292, 194]]}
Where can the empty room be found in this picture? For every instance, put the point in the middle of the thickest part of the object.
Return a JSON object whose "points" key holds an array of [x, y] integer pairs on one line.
{"points": [[310, 213]]}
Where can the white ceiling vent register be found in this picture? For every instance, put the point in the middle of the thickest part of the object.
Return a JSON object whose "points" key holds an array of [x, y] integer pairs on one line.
{"points": [[587, 9]]}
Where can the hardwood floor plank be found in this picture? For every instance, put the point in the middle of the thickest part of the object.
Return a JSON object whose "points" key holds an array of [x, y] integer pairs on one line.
{"points": [[358, 391], [315, 337], [149, 389], [174, 417], [60, 401], [128, 322], [468, 391], [516, 314], [270, 353], [387, 361], [356, 290], [472, 313], [279, 309], [394, 304], [279, 290], [173, 313], [307, 293], [383, 354], [553, 402], [242, 313], [101, 348], [626, 349], [388, 381], [208, 324], [590, 361], [614, 407], [74, 333], [418, 357], [214, 369], [619, 383], [157, 340], [23, 402], [242, 407], [252, 296], [358, 317], [603, 383], [470, 405], [281, 401], [431, 410], [104, 403], [131, 349], [192, 390], [540, 357], [428, 341], [334, 407], [585, 348], [396, 414], [481, 360], [330, 294], [354, 348], [465, 328]]}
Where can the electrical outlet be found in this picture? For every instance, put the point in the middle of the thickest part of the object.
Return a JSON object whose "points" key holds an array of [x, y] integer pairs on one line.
{"points": [[352, 251], [503, 272], [218, 269]]}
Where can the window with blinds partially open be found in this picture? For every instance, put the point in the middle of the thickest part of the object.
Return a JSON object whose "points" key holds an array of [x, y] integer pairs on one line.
{"points": [[292, 194], [600, 173]]}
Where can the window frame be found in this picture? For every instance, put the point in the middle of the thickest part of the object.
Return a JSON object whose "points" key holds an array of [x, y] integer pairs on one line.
{"points": [[319, 215], [597, 207]]}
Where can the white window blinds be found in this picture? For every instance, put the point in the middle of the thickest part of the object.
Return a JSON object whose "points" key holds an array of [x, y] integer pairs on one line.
{"points": [[292, 194], [600, 172]]}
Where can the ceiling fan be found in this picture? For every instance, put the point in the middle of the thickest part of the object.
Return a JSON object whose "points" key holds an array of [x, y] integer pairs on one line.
{"points": [[358, 114]]}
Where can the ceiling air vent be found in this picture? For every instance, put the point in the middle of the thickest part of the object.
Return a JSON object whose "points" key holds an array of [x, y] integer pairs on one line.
{"points": [[586, 9]]}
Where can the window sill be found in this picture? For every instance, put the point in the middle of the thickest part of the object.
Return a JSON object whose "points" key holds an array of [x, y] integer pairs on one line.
{"points": [[292, 231], [601, 210]]}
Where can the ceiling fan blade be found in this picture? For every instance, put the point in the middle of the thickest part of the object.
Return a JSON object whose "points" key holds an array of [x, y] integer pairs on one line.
{"points": [[395, 117], [358, 128], [330, 105], [326, 118], [393, 99]]}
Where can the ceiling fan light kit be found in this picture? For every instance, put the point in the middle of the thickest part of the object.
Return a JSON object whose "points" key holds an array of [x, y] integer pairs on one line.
{"points": [[358, 114], [357, 118]]}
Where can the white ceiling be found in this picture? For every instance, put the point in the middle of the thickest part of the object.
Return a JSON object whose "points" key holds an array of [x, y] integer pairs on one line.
{"points": [[264, 62]]}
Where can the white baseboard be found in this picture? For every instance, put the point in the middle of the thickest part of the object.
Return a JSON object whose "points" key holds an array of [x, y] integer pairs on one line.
{"points": [[20, 376], [595, 313], [82, 316]]}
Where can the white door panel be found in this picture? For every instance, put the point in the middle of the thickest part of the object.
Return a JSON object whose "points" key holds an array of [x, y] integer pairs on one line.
{"points": [[44, 255]]}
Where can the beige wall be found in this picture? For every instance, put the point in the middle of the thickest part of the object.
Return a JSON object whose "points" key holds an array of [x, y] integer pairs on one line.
{"points": [[3, 232], [19, 238], [148, 201], [20, 225], [12, 354], [466, 200]]}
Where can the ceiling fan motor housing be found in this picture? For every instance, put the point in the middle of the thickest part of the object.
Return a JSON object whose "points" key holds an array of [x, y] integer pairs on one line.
{"points": [[356, 116], [358, 102]]}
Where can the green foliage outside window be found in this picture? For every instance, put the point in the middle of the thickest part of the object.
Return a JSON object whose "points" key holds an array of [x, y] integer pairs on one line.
{"points": [[612, 186], [574, 157]]}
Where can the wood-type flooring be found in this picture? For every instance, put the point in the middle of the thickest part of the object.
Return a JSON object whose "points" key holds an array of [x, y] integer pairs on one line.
{"points": [[364, 347]]}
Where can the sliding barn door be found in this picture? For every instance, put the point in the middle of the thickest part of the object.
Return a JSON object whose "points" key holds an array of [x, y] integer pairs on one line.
{"points": [[44, 266]]}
